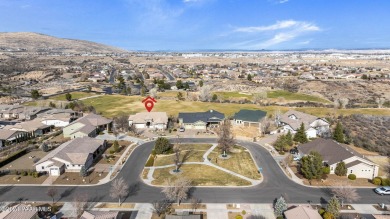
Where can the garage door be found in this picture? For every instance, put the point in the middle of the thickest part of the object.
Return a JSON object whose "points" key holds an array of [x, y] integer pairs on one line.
{"points": [[54, 172]]}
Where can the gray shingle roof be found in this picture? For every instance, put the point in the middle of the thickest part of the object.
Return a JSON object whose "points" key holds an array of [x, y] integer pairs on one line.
{"points": [[331, 151], [304, 118], [250, 115], [205, 117]]}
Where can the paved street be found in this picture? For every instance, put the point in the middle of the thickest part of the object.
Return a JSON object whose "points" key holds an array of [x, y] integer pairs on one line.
{"points": [[275, 183]]}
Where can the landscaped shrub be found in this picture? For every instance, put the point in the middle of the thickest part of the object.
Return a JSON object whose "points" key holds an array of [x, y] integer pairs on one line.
{"points": [[162, 146], [352, 176], [377, 181], [150, 161], [385, 182], [35, 174], [321, 211], [24, 173], [238, 217], [112, 151], [326, 170], [243, 212], [327, 215], [280, 217]]}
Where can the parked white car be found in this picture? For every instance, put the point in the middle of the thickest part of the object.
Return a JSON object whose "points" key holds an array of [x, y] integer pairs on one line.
{"points": [[384, 190]]}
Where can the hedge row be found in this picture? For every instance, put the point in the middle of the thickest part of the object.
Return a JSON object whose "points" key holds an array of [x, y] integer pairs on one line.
{"points": [[13, 157]]}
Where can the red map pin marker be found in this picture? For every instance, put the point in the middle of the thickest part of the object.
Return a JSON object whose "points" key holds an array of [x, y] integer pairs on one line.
{"points": [[149, 103]]}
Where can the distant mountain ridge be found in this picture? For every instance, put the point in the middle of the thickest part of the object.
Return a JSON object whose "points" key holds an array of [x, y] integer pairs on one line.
{"points": [[36, 42]]}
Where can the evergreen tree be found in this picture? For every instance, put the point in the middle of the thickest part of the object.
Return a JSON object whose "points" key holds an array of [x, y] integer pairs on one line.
{"points": [[186, 86], [338, 133], [200, 83], [280, 206], [341, 169], [35, 94], [179, 84], [83, 171], [214, 98], [162, 145], [116, 146], [301, 136], [249, 77], [180, 96], [333, 206], [45, 147], [289, 138], [68, 96], [281, 143], [312, 166]]}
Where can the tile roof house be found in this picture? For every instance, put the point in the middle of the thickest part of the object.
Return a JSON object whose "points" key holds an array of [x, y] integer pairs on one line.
{"points": [[71, 156], [302, 212], [59, 117], [150, 120], [88, 125], [34, 128], [248, 117], [200, 120], [292, 120], [11, 136], [333, 152], [21, 211]]}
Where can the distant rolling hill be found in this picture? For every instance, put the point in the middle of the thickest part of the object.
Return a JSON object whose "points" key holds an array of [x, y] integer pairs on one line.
{"points": [[35, 42]]}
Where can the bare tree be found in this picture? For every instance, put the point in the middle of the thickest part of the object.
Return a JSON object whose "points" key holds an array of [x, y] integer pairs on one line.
{"points": [[277, 116], [341, 103], [345, 192], [380, 101], [122, 122], [177, 190], [153, 92], [225, 136], [259, 97], [52, 192], [79, 204], [205, 93], [176, 157], [161, 207], [265, 125], [195, 203], [119, 189]]}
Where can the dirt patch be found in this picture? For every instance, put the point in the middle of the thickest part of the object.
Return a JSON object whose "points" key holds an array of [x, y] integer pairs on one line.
{"points": [[15, 179], [76, 179]]}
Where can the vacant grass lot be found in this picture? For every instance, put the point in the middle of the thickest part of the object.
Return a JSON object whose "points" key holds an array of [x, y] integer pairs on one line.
{"points": [[227, 95], [200, 175], [240, 161], [113, 105], [295, 96], [75, 95]]}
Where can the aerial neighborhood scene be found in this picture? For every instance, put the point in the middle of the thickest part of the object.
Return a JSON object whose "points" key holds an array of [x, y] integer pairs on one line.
{"points": [[194, 109]]}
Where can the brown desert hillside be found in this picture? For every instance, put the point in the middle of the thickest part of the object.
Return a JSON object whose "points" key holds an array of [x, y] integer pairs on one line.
{"points": [[34, 42]]}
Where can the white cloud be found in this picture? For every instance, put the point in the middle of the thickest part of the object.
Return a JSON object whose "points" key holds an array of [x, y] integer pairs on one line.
{"points": [[282, 1], [278, 26]]}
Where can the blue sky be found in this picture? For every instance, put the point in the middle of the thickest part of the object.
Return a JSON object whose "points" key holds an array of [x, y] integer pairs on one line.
{"points": [[206, 24]]}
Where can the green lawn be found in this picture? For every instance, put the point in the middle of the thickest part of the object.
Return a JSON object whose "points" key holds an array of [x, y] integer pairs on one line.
{"points": [[227, 95], [75, 95], [113, 105], [295, 96], [240, 161], [201, 175]]}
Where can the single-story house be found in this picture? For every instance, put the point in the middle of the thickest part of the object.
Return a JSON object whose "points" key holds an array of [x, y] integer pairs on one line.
{"points": [[88, 125], [20, 112], [292, 120], [333, 152], [33, 128], [200, 120], [20, 211], [100, 215], [149, 120], [302, 212], [59, 117], [11, 136], [71, 156], [248, 117]]}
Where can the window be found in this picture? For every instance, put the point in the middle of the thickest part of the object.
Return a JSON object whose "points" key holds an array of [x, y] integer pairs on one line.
{"points": [[43, 168], [351, 171]]}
